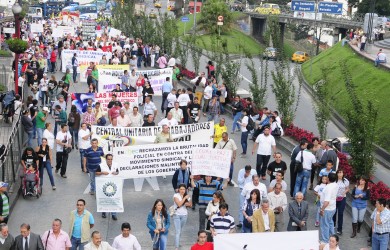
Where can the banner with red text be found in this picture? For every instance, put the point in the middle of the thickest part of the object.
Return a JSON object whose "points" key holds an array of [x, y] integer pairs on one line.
{"points": [[212, 162], [109, 76], [80, 100]]}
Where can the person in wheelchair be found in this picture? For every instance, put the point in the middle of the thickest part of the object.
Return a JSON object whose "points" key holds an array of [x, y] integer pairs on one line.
{"points": [[31, 179]]}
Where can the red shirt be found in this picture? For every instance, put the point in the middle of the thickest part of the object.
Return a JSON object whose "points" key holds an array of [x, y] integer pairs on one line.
{"points": [[206, 246], [114, 112]]}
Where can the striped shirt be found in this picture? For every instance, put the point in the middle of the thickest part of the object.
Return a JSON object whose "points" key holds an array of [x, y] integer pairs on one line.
{"points": [[385, 219], [5, 205], [222, 224], [93, 157], [206, 191]]}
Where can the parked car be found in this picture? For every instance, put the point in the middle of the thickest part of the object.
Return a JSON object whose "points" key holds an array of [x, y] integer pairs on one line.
{"points": [[268, 8], [157, 4], [341, 144], [237, 6], [152, 14], [300, 57], [270, 53]]}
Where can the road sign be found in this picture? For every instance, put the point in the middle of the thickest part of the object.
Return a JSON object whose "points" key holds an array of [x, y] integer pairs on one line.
{"points": [[220, 18], [185, 19], [305, 6], [220, 23], [330, 8]]}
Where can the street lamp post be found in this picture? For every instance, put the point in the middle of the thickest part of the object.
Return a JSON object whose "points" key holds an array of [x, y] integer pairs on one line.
{"points": [[17, 9]]}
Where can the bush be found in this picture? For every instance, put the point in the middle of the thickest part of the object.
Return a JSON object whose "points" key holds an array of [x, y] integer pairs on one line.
{"points": [[5, 53], [379, 190], [2, 88], [17, 45]]}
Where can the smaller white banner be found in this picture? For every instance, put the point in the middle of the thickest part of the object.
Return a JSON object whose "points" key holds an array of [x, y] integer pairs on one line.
{"points": [[114, 32], [36, 28], [61, 31], [304, 240], [209, 161], [308, 15], [109, 194], [9, 30]]}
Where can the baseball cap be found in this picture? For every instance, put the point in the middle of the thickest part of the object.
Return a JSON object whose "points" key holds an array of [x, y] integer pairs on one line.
{"points": [[127, 102], [3, 184], [45, 109]]}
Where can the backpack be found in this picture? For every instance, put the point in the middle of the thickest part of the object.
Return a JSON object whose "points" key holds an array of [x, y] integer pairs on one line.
{"points": [[251, 125]]}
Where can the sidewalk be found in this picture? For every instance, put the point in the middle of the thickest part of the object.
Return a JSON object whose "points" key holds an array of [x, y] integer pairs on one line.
{"points": [[370, 53]]}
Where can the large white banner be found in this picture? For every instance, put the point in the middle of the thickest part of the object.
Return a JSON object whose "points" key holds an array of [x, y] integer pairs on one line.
{"points": [[304, 240], [210, 161], [157, 78], [109, 194], [114, 32], [84, 57], [153, 159], [110, 137]]}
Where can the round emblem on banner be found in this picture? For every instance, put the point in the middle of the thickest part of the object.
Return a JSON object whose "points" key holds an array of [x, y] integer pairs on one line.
{"points": [[109, 189]]}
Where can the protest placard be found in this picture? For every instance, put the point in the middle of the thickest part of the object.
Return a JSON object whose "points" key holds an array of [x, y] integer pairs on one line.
{"points": [[154, 159], [89, 27], [114, 32], [210, 161], [109, 76], [9, 30], [157, 78], [36, 27], [61, 31], [109, 196], [80, 100]]}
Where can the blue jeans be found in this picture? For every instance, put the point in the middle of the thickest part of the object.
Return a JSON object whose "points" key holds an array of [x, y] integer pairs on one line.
{"points": [[76, 242], [40, 135], [318, 211], [358, 214], [240, 210], [161, 244], [81, 157], [34, 122], [340, 206], [231, 171], [139, 61], [244, 141], [214, 118], [236, 117], [46, 165], [92, 175], [75, 136], [246, 229], [326, 225], [48, 65], [29, 140], [380, 242], [180, 222], [302, 179], [74, 73], [377, 62]]}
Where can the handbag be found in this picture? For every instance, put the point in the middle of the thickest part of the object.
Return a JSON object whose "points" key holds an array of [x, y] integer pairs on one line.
{"points": [[277, 131], [172, 210], [222, 99], [299, 165], [68, 150]]}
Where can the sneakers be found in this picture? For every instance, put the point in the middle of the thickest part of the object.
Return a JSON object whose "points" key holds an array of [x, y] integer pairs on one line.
{"points": [[57, 170], [92, 193], [164, 177], [54, 187], [317, 224], [339, 232], [239, 225], [104, 215], [64, 176], [311, 187], [230, 184], [114, 217]]}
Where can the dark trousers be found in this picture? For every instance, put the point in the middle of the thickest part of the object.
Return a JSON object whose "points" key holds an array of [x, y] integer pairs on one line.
{"points": [[62, 161], [340, 206], [185, 114], [314, 173], [293, 177], [261, 164], [202, 218], [244, 141], [74, 73], [53, 67], [165, 95]]}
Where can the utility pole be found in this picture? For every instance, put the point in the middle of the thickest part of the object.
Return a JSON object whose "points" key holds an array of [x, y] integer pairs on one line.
{"points": [[194, 17]]}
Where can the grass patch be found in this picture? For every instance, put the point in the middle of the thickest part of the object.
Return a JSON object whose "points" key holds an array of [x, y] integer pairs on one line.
{"points": [[234, 39], [5, 53], [289, 49], [188, 25], [371, 84]]}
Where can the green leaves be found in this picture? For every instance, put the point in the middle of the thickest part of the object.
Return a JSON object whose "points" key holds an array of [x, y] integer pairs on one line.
{"points": [[210, 12], [17, 45]]}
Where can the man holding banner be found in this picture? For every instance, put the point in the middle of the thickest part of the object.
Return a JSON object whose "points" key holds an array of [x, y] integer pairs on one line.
{"points": [[228, 144], [91, 162]]}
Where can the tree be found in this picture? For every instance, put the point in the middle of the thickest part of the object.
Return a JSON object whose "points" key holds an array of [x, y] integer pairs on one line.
{"points": [[195, 51], [258, 88], [181, 51], [322, 108], [361, 128], [210, 12], [286, 94], [382, 7]]}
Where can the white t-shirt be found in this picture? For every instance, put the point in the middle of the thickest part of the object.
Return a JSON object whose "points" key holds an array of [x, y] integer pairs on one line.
{"points": [[122, 243], [165, 121], [84, 144], [21, 81], [181, 210], [50, 138], [330, 194], [208, 92], [244, 121], [308, 159], [171, 99], [273, 183], [62, 136], [265, 144], [246, 191], [183, 99]]}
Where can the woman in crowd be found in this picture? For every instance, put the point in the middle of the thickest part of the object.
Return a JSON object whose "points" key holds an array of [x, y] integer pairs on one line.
{"points": [[360, 195], [99, 115], [158, 223], [147, 91], [214, 110], [181, 202], [318, 192], [222, 97], [49, 135], [244, 132], [213, 206], [103, 61], [140, 85], [45, 158], [333, 243], [341, 200], [29, 157], [74, 125], [28, 127], [95, 77], [67, 77], [250, 206]]}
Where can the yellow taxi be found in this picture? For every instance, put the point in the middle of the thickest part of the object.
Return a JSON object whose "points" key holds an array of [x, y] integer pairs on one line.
{"points": [[300, 57], [157, 5], [152, 14], [268, 8]]}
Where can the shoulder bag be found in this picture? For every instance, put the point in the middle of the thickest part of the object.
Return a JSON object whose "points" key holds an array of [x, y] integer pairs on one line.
{"points": [[299, 165], [277, 131]]}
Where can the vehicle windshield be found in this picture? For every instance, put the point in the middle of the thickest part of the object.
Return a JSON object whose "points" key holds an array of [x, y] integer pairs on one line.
{"points": [[87, 9], [300, 53]]}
